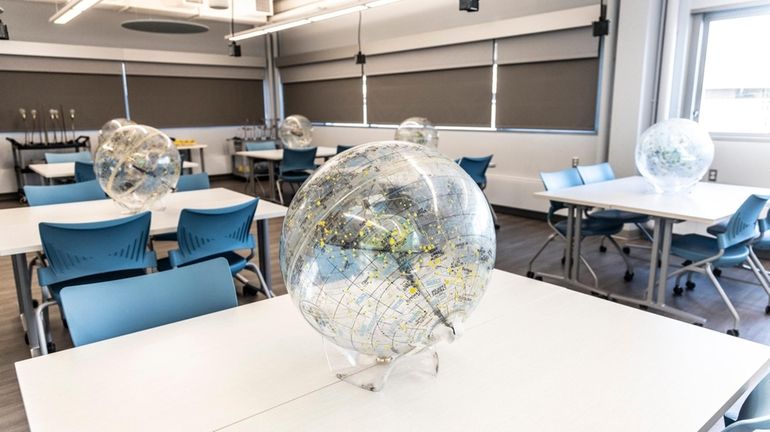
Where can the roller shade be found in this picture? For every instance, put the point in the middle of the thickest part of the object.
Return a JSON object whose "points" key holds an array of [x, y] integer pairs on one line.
{"points": [[456, 97], [573, 43], [333, 101], [329, 70], [548, 95], [439, 58]]}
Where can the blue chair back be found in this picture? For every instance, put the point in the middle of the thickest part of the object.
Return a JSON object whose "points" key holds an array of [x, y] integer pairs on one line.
{"points": [[596, 173], [342, 148], [66, 193], [86, 249], [84, 171], [84, 156], [205, 233], [106, 310], [193, 182], [298, 160], [755, 411], [742, 226], [476, 167], [260, 145], [559, 180]]}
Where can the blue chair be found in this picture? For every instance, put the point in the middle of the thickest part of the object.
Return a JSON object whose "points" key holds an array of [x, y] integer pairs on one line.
{"points": [[84, 171], [92, 252], [192, 182], [603, 172], [343, 148], [260, 169], [60, 194], [730, 248], [217, 233], [296, 167], [476, 168], [106, 310], [84, 156], [755, 410], [589, 227]]}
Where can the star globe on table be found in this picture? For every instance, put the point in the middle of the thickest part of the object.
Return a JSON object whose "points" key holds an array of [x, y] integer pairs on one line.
{"points": [[296, 132], [137, 166], [386, 250], [110, 127], [417, 130], [673, 155]]}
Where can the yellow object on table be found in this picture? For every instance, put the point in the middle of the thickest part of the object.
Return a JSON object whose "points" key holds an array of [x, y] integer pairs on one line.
{"points": [[184, 142]]}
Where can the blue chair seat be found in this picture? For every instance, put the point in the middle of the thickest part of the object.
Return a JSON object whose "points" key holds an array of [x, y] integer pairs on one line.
{"points": [[236, 262], [696, 247], [620, 215], [295, 176], [592, 227]]}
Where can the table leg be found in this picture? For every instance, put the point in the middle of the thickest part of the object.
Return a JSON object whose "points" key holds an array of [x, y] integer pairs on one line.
{"points": [[654, 257], [263, 243], [568, 244], [271, 176], [24, 293], [576, 236], [665, 252], [203, 163]]}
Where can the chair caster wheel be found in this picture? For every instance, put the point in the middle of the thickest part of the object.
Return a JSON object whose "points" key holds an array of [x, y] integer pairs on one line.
{"points": [[628, 277], [733, 332], [690, 285], [497, 226], [602, 249], [678, 291], [531, 274], [698, 324], [539, 278], [767, 309], [643, 307], [51, 347], [626, 250], [686, 263], [35, 303], [563, 260], [250, 290], [26, 339], [64, 323], [717, 272]]}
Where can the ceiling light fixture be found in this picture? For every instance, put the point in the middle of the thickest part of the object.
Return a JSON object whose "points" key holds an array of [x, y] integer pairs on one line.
{"points": [[272, 28], [72, 9]]}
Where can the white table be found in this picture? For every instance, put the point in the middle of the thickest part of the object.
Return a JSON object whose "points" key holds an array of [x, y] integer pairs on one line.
{"points": [[706, 203], [274, 156], [534, 357], [199, 147], [63, 170], [19, 233]]}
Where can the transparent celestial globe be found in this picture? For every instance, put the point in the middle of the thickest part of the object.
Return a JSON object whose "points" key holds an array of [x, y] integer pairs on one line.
{"points": [[418, 130], [137, 166], [387, 248], [296, 132], [110, 127], [673, 155]]}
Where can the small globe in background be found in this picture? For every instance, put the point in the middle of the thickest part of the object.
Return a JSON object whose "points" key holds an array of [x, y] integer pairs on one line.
{"points": [[137, 166], [386, 247], [418, 130], [673, 155], [110, 127], [296, 132]]}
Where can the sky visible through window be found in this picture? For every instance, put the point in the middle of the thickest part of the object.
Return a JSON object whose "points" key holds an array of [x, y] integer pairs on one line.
{"points": [[736, 80]]}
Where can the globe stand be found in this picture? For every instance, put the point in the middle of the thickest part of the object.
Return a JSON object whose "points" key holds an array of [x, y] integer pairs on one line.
{"points": [[371, 372]]}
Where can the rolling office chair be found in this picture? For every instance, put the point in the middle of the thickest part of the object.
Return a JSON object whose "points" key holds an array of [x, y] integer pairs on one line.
{"points": [[755, 411], [189, 182], [295, 167], [91, 252], [260, 168], [476, 167], [217, 233], [730, 248], [66, 193], [84, 156], [603, 172], [589, 228], [84, 171], [106, 310]]}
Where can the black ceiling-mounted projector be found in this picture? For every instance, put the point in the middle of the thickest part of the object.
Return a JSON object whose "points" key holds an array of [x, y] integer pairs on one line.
{"points": [[469, 5]]}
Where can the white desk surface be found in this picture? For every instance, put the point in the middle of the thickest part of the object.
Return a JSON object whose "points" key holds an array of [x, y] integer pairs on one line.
{"points": [[277, 155], [67, 169], [19, 226], [535, 357], [191, 147], [706, 202]]}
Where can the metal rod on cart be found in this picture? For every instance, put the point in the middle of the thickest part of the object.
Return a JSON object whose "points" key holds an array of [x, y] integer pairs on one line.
{"points": [[23, 114], [33, 113], [72, 123], [52, 115]]}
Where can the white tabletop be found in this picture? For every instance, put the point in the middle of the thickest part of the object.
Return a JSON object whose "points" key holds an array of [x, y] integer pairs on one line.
{"points": [[277, 155], [67, 169], [534, 357], [19, 226], [706, 202], [191, 146]]}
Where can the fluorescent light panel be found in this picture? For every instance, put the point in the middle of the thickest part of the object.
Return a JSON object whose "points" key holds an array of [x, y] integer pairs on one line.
{"points": [[72, 10], [247, 34]]}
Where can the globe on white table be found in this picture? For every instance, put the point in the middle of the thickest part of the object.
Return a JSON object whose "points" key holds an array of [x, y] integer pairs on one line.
{"points": [[137, 166], [386, 250], [673, 155], [110, 127], [296, 132], [418, 130]]}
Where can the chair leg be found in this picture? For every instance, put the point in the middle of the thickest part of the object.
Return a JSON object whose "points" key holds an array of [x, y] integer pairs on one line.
{"points": [[41, 328], [629, 266], [590, 270], [759, 272], [265, 289], [736, 319], [550, 238]]}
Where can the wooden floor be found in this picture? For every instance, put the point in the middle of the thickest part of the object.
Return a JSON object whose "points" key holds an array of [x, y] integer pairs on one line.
{"points": [[517, 239]]}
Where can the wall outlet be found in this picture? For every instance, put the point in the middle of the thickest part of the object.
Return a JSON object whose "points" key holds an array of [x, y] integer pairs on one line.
{"points": [[575, 161], [712, 175]]}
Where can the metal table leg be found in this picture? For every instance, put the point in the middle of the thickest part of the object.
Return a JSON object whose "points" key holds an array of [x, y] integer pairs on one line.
{"points": [[24, 293], [203, 162], [271, 176], [263, 243]]}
